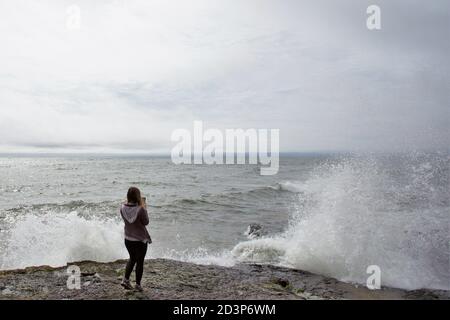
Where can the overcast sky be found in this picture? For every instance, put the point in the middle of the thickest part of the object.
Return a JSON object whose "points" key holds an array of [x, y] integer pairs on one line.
{"points": [[136, 70]]}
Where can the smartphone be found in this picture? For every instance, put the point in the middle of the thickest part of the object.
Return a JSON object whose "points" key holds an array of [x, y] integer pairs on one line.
{"points": [[144, 200]]}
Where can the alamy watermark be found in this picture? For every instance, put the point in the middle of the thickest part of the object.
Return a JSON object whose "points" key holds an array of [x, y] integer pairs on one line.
{"points": [[374, 280], [373, 21], [74, 279], [73, 17], [231, 146]]}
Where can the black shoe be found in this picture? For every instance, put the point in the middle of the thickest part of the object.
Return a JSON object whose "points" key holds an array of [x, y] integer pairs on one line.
{"points": [[126, 284], [138, 288]]}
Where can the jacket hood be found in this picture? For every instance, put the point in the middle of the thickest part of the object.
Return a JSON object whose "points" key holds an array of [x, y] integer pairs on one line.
{"points": [[130, 213]]}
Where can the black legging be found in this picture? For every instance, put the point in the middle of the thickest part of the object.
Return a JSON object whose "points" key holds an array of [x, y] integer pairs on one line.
{"points": [[137, 251]]}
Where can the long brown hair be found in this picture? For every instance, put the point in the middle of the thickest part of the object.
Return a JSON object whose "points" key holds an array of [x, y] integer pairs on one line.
{"points": [[134, 196]]}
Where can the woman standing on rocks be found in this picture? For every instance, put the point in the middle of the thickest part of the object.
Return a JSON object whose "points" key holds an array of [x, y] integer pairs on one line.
{"points": [[134, 214]]}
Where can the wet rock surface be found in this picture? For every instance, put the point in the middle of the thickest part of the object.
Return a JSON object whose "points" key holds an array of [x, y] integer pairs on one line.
{"points": [[167, 279]]}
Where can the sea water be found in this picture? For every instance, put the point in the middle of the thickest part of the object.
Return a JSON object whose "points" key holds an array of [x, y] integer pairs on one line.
{"points": [[329, 214]]}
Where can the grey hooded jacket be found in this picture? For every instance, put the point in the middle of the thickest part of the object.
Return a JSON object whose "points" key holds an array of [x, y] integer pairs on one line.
{"points": [[135, 218]]}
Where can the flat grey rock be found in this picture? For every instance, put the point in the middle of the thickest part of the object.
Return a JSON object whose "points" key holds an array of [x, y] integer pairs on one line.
{"points": [[168, 279]]}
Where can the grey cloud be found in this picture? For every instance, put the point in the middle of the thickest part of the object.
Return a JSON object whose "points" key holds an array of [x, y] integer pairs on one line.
{"points": [[310, 68]]}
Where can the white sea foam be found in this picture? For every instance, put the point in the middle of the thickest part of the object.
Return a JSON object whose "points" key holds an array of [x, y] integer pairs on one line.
{"points": [[351, 215], [199, 255], [290, 186], [55, 238]]}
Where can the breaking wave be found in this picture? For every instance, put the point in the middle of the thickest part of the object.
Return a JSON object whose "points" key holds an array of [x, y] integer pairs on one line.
{"points": [[360, 212], [55, 238]]}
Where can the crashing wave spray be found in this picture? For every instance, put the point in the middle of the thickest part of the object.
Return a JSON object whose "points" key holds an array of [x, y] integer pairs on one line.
{"points": [[361, 211], [55, 238]]}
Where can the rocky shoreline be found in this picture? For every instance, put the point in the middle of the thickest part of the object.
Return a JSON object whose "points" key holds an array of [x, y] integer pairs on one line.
{"points": [[168, 279]]}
